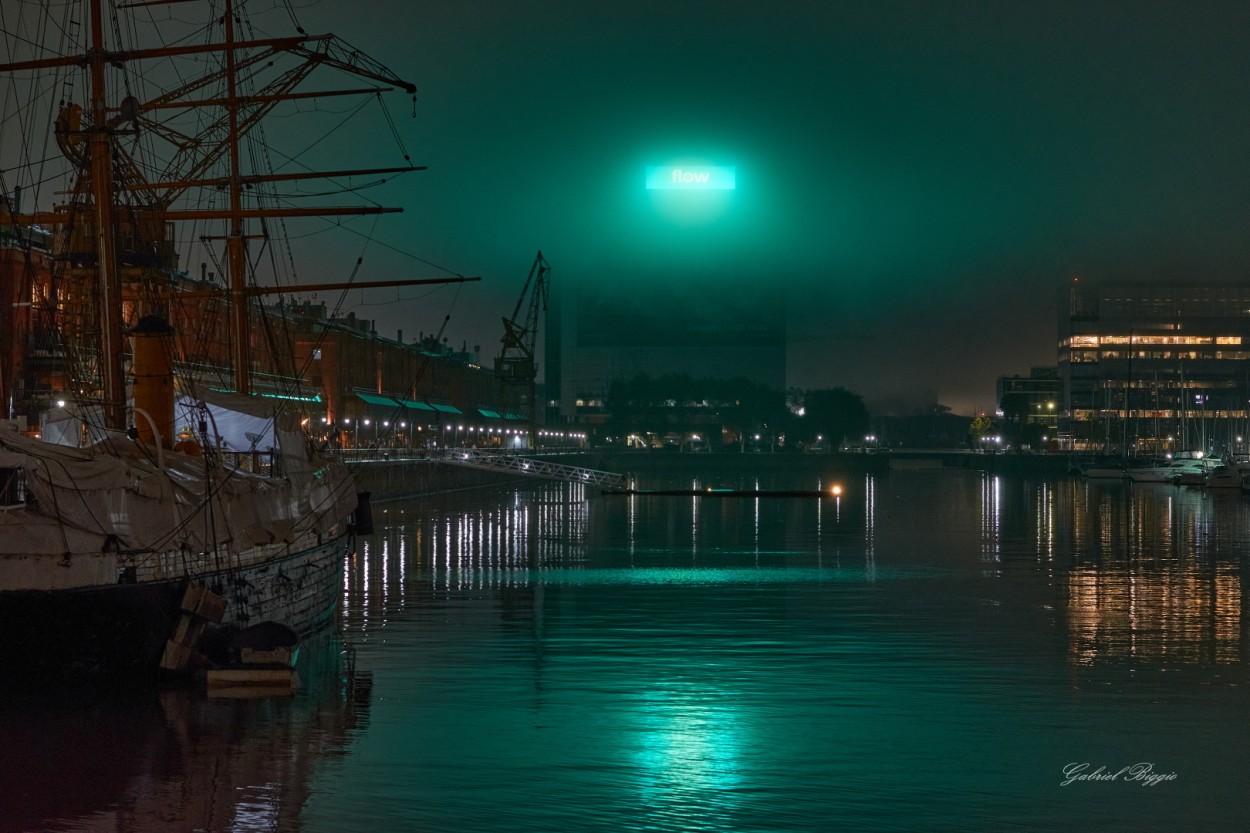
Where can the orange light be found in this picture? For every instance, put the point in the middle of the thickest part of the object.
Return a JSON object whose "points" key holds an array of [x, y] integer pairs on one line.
{"points": [[836, 490]]}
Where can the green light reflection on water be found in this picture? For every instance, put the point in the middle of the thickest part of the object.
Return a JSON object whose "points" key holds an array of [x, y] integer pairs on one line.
{"points": [[690, 754], [705, 575]]}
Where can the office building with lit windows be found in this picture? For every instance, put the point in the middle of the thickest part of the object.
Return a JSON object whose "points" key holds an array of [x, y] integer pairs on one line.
{"points": [[1153, 368]]}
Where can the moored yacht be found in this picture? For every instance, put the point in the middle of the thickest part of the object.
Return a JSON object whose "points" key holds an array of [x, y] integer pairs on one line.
{"points": [[1190, 468], [1227, 476]]}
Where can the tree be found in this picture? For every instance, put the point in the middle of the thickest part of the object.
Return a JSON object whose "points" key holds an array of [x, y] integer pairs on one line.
{"points": [[1016, 407], [679, 404], [834, 413], [978, 429]]}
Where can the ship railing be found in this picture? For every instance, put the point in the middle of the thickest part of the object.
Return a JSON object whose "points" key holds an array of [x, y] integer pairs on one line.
{"points": [[437, 453], [256, 462]]}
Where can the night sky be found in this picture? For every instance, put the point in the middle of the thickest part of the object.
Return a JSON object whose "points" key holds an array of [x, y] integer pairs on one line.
{"points": [[917, 179]]}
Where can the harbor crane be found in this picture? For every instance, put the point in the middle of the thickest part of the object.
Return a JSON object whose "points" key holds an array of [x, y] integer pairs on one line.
{"points": [[515, 369]]}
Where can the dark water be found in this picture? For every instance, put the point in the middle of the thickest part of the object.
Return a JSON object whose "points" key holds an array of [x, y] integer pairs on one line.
{"points": [[929, 652]]}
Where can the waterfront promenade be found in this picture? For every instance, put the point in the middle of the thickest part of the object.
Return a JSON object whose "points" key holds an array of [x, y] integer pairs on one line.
{"points": [[395, 473]]}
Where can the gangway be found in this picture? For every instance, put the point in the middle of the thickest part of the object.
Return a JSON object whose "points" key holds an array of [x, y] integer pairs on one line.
{"points": [[529, 466]]}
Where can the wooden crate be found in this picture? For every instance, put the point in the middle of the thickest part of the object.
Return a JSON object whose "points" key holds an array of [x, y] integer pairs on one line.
{"points": [[251, 681], [203, 603]]}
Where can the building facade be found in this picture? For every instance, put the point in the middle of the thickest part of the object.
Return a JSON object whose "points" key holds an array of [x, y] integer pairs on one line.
{"points": [[1030, 406], [363, 389], [1155, 368], [602, 337]]}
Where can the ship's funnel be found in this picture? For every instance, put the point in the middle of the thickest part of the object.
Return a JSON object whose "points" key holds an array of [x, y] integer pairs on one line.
{"points": [[152, 341]]}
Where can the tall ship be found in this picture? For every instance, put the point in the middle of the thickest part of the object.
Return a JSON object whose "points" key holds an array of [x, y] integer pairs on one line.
{"points": [[155, 438]]}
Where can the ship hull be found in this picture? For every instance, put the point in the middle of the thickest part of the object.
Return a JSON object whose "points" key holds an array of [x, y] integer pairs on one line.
{"points": [[124, 626]]}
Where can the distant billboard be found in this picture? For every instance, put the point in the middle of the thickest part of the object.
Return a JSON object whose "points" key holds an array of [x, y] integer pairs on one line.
{"points": [[691, 178]]}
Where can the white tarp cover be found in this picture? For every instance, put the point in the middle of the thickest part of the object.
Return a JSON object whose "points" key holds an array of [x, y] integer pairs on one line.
{"points": [[229, 425], [66, 425], [117, 489], [235, 423]]}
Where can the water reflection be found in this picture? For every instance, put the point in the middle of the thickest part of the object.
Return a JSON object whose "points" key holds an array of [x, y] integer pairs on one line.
{"points": [[690, 748], [1159, 577], [548, 659], [1132, 572], [114, 755], [991, 529], [678, 663]]}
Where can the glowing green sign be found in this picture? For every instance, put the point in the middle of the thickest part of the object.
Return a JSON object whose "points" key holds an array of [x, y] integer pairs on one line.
{"points": [[691, 178]]}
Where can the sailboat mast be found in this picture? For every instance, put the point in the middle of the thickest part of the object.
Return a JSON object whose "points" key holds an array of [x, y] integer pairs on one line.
{"points": [[109, 275], [236, 256]]}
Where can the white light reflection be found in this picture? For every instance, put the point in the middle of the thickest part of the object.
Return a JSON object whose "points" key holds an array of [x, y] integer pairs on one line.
{"points": [[386, 573], [991, 522], [259, 808], [403, 566], [446, 555], [694, 527], [756, 502], [632, 523], [349, 570], [870, 528], [364, 586], [499, 546], [1045, 510]]}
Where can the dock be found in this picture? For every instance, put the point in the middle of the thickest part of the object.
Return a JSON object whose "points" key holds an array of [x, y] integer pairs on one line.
{"points": [[728, 493], [527, 466]]}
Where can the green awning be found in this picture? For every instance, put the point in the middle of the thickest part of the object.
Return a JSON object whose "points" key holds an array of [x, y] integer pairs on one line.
{"points": [[374, 399], [416, 406], [491, 414], [445, 409]]}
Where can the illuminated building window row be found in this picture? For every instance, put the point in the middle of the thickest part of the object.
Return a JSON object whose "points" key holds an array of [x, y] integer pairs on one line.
{"points": [[1165, 385], [1151, 413], [1096, 340], [1088, 356]]}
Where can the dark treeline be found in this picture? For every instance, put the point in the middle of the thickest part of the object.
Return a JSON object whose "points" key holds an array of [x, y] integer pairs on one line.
{"points": [[674, 407]]}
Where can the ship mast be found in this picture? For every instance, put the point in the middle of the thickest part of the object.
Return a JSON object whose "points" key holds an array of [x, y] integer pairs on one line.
{"points": [[110, 356], [108, 166], [236, 258]]}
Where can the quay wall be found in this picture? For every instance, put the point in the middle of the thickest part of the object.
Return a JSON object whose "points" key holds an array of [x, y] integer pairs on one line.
{"points": [[393, 479], [842, 464], [404, 478]]}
